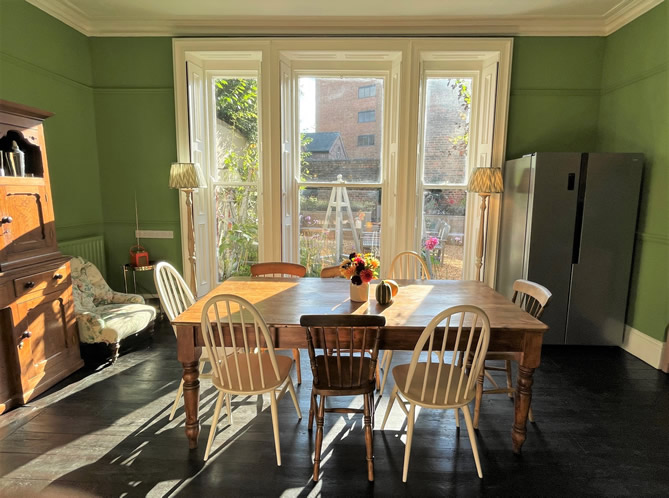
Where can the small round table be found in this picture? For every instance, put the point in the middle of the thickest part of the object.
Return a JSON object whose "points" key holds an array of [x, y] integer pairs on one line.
{"points": [[134, 269]]}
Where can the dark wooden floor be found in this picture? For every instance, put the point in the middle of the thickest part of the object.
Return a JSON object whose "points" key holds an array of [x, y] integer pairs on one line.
{"points": [[602, 429]]}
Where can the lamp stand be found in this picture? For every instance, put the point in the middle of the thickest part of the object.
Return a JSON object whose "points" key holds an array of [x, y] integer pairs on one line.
{"points": [[479, 247], [191, 239]]}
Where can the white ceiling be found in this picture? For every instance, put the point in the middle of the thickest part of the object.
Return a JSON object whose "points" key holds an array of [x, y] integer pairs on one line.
{"points": [[220, 17]]}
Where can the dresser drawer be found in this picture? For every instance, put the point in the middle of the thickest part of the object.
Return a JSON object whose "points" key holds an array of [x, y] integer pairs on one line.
{"points": [[43, 282]]}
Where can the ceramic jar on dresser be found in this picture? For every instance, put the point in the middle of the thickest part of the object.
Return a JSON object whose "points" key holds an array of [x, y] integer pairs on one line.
{"points": [[39, 343]]}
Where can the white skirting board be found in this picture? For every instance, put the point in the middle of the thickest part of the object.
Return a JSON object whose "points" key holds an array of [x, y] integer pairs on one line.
{"points": [[652, 351]]}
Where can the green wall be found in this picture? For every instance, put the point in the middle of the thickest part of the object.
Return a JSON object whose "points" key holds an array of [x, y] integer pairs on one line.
{"points": [[554, 94], [634, 117], [45, 64], [135, 122]]}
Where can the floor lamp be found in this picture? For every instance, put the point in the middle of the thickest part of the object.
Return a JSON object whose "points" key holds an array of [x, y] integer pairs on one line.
{"points": [[484, 181], [187, 177]]}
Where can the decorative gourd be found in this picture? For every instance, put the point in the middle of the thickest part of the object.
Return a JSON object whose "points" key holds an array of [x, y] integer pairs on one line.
{"points": [[384, 292], [393, 286]]}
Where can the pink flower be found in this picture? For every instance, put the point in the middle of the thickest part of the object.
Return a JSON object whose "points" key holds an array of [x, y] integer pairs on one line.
{"points": [[431, 243], [366, 275]]}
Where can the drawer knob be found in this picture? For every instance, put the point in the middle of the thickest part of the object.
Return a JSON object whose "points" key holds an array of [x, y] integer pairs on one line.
{"points": [[29, 285], [26, 335], [57, 276], [6, 219]]}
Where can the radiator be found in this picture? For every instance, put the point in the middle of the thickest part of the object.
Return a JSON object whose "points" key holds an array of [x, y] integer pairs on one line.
{"points": [[90, 248]]}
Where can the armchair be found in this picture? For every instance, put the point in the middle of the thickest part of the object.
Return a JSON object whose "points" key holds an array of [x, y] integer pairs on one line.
{"points": [[104, 316]]}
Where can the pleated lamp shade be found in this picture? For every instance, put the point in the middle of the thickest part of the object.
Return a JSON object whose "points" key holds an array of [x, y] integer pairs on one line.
{"points": [[186, 175], [486, 181]]}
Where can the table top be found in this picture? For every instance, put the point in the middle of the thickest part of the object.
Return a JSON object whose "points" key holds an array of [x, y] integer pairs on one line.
{"points": [[281, 302]]}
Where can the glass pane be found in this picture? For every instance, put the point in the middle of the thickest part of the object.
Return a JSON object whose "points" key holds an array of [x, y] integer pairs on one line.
{"points": [[334, 114], [446, 130], [237, 230], [327, 240], [443, 232], [236, 130]]}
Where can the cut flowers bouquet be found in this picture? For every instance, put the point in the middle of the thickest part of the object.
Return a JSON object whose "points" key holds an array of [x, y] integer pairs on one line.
{"points": [[360, 268]]}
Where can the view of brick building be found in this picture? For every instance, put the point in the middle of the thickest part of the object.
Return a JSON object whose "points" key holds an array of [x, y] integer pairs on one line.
{"points": [[353, 107]]}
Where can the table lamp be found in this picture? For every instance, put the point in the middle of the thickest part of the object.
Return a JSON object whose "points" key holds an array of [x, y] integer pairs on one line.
{"points": [[484, 181], [188, 177]]}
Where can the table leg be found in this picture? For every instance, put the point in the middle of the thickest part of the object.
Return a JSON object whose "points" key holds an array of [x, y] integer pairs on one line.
{"points": [[191, 401], [522, 402]]}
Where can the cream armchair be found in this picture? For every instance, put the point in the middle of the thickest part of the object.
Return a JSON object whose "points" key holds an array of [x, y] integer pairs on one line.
{"points": [[103, 315]]}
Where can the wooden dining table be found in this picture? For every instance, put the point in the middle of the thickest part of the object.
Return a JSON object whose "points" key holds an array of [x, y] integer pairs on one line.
{"points": [[281, 302]]}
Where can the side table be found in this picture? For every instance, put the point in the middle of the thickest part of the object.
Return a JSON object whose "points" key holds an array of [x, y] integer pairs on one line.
{"points": [[134, 269]]}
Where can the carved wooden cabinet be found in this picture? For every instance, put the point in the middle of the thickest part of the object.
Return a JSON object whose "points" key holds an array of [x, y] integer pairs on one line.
{"points": [[39, 343]]}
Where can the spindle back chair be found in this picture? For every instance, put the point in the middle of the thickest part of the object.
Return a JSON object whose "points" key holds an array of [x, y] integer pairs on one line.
{"points": [[345, 367], [446, 383]]}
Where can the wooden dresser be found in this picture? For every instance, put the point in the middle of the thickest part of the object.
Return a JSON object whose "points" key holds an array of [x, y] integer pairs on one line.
{"points": [[39, 343]]}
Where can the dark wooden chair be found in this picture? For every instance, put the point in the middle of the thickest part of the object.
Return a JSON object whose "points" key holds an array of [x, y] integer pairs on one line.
{"points": [[281, 269], [343, 370], [278, 269]]}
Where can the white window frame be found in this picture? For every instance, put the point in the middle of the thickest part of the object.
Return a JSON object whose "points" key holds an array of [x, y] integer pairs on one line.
{"points": [[402, 158]]}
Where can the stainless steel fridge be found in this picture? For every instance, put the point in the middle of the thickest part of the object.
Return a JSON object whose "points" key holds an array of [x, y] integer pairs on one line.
{"points": [[568, 223]]}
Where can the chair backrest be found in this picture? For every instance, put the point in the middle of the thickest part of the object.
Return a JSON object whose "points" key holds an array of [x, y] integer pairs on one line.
{"points": [[409, 265], [331, 272], [471, 336], [531, 297], [336, 335], [248, 363], [175, 295], [278, 269]]}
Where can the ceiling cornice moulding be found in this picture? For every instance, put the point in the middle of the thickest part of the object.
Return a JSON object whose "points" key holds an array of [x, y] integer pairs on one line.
{"points": [[613, 20]]}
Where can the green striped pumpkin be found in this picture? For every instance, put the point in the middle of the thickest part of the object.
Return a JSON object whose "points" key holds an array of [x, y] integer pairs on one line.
{"points": [[384, 292]]}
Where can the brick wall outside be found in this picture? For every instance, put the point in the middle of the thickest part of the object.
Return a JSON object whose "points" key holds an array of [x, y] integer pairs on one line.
{"points": [[337, 107]]}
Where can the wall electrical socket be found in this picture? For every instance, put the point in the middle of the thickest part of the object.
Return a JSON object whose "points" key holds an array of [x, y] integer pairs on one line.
{"points": [[154, 234]]}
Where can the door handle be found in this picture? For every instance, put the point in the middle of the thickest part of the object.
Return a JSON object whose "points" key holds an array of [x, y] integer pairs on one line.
{"points": [[6, 219], [26, 335], [57, 276]]}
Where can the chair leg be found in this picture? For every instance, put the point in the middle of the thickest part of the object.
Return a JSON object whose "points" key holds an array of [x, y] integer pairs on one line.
{"points": [[298, 367], [312, 410], [177, 399], [393, 395], [472, 438], [214, 423], [530, 415], [291, 389], [479, 397], [369, 437], [407, 450], [387, 360], [378, 375], [457, 418], [275, 426], [509, 382], [320, 418]]}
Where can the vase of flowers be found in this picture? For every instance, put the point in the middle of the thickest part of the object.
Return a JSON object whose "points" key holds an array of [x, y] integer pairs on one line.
{"points": [[360, 269]]}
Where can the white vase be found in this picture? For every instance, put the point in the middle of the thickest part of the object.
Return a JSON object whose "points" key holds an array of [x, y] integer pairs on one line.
{"points": [[360, 293]]}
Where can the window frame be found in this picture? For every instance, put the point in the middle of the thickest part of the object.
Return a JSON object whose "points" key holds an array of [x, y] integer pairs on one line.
{"points": [[413, 54]]}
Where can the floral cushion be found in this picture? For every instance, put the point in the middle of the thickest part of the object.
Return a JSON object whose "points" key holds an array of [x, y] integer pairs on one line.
{"points": [[104, 315]]}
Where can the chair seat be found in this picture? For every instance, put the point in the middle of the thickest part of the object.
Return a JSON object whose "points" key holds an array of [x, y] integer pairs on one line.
{"points": [[111, 323], [414, 394], [353, 379], [245, 384]]}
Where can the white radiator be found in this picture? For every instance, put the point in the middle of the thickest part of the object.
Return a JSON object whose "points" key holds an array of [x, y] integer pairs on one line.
{"points": [[90, 248]]}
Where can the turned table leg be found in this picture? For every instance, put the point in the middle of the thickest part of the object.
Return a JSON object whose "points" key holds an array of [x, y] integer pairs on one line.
{"points": [[189, 356], [522, 406], [191, 401]]}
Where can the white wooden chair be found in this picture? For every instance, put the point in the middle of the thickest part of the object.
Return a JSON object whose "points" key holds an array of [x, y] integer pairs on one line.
{"points": [[282, 269], [175, 297], [443, 385], [252, 367], [406, 265], [532, 298]]}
